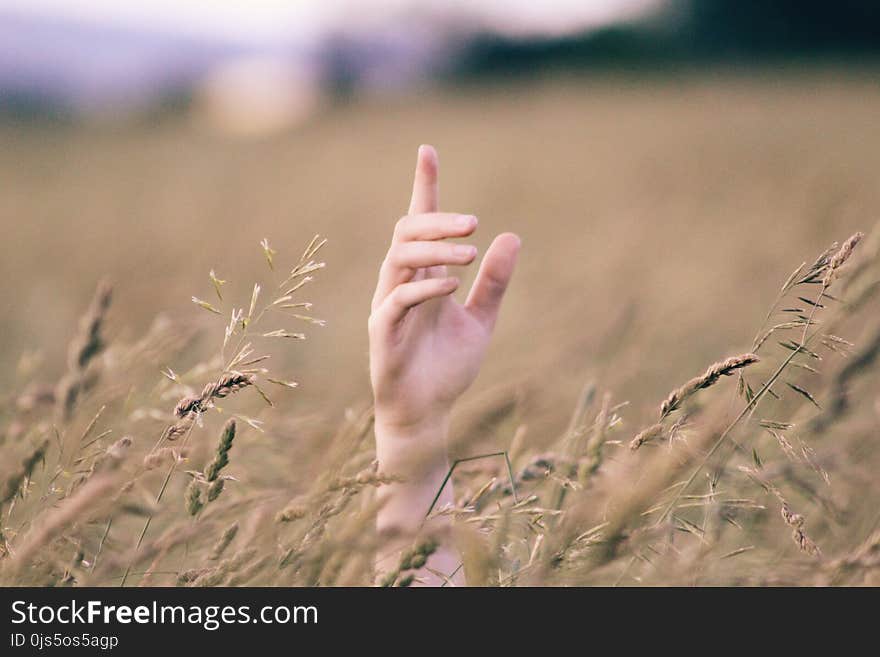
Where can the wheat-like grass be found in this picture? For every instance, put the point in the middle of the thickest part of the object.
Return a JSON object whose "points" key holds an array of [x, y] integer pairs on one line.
{"points": [[16, 481], [726, 367], [839, 259], [85, 346], [129, 496]]}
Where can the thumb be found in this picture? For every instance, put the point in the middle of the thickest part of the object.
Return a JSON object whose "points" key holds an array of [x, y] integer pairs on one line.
{"points": [[495, 273]]}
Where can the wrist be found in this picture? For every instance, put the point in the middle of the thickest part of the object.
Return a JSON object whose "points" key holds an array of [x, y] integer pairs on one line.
{"points": [[412, 449], [414, 454], [430, 428]]}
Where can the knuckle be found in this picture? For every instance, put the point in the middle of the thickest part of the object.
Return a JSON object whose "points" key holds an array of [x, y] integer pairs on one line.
{"points": [[495, 286], [396, 297], [373, 323], [400, 227], [391, 258]]}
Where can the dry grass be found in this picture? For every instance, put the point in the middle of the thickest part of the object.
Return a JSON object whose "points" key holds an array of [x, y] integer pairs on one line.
{"points": [[658, 220]]}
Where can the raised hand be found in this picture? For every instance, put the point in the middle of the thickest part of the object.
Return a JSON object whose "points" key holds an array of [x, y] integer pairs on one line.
{"points": [[426, 348]]}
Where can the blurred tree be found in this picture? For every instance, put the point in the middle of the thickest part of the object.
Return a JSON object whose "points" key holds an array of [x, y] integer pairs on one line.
{"points": [[691, 31], [761, 27]]}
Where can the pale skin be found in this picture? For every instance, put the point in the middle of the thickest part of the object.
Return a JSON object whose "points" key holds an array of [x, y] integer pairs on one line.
{"points": [[426, 348]]}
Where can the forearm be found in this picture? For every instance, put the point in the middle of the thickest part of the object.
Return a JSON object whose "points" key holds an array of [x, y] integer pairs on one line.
{"points": [[416, 457]]}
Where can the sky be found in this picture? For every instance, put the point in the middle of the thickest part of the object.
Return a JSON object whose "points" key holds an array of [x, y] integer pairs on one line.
{"points": [[91, 54], [275, 22]]}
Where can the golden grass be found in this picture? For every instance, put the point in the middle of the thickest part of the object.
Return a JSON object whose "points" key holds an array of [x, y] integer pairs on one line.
{"points": [[658, 219]]}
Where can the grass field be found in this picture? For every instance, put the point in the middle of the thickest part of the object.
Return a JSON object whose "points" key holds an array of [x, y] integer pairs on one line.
{"points": [[659, 218]]}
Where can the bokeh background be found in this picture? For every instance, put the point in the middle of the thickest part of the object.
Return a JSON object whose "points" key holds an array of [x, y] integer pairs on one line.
{"points": [[666, 162]]}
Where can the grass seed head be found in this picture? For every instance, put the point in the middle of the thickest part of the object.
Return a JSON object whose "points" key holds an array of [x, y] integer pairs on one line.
{"points": [[840, 258], [722, 368], [221, 459], [15, 482]]}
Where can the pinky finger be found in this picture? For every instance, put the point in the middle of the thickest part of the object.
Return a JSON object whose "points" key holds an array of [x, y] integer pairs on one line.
{"points": [[409, 295]]}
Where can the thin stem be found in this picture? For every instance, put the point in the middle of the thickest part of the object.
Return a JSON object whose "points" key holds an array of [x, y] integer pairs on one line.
{"points": [[448, 578], [758, 396], [782, 292], [625, 571], [465, 460], [158, 499], [101, 543], [812, 313]]}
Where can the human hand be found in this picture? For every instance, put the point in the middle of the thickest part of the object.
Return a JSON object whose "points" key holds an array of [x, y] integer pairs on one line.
{"points": [[426, 348]]}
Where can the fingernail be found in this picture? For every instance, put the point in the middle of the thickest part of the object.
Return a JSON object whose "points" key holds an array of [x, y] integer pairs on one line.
{"points": [[466, 220], [464, 251]]}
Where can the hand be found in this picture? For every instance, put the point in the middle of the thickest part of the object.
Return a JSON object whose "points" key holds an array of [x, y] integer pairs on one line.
{"points": [[425, 350], [425, 347]]}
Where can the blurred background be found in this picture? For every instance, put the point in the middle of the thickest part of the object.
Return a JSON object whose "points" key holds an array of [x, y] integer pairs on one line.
{"points": [[667, 163]]}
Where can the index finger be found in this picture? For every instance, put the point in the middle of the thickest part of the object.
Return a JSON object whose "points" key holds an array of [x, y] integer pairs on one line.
{"points": [[426, 189]]}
